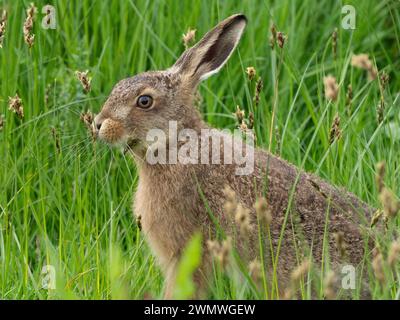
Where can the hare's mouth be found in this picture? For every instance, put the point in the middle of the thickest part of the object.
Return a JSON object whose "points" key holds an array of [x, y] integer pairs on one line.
{"points": [[131, 144]]}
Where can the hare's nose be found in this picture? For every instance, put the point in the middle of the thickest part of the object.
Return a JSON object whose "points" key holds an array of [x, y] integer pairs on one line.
{"points": [[98, 122], [98, 125]]}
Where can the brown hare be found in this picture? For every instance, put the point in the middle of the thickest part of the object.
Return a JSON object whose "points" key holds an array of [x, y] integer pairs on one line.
{"points": [[178, 198]]}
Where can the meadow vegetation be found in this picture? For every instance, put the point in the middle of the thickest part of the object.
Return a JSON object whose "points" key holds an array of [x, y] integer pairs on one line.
{"points": [[311, 95]]}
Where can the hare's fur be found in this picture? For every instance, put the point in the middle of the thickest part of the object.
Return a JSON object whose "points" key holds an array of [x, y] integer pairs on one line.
{"points": [[175, 200]]}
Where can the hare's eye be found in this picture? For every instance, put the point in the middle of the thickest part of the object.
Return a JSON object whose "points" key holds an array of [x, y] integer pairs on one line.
{"points": [[145, 102]]}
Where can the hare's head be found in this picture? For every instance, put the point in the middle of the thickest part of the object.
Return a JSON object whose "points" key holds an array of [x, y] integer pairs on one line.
{"points": [[151, 100]]}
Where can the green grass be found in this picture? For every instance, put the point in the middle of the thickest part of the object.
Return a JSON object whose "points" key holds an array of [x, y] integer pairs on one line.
{"points": [[72, 209]]}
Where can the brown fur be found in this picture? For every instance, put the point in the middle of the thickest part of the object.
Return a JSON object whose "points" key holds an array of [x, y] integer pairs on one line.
{"points": [[169, 200]]}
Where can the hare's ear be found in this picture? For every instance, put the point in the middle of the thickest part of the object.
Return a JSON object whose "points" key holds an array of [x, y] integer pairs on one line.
{"points": [[211, 52]]}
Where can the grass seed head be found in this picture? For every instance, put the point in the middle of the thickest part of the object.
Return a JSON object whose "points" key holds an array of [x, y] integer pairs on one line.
{"points": [[226, 250], [380, 175], [84, 80], [220, 251], [263, 211], [243, 127], [300, 272], [273, 30], [394, 253], [335, 132], [239, 115], [255, 270], [384, 80], [391, 206], [251, 73], [31, 10], [329, 285], [378, 267], [242, 219], [272, 39], [278, 140], [230, 204], [362, 61], [15, 105], [3, 23], [272, 42], [380, 110], [213, 246], [1, 122], [188, 37], [251, 120], [29, 37], [334, 42], [331, 88], [259, 86], [281, 39], [376, 217], [87, 118]]}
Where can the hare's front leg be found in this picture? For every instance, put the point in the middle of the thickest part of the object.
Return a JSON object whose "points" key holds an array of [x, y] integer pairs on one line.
{"points": [[170, 277], [199, 279]]}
